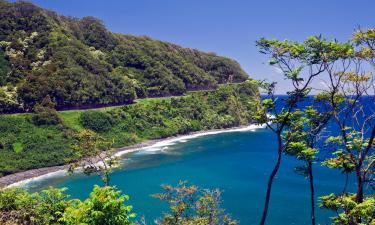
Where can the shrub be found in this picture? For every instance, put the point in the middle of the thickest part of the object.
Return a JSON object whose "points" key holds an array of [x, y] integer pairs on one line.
{"points": [[104, 206], [52, 206], [45, 116], [191, 205], [45, 113], [17, 147], [96, 121]]}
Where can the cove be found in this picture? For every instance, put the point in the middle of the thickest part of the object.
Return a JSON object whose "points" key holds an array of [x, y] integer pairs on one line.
{"points": [[237, 163]]}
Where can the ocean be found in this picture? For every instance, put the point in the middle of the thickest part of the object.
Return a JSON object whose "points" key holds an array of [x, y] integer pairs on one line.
{"points": [[238, 163]]}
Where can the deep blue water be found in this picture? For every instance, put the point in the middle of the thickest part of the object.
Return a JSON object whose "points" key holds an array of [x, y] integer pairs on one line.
{"points": [[238, 163]]}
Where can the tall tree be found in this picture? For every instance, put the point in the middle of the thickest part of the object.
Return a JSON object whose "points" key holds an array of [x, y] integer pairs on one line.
{"points": [[352, 102], [303, 135], [300, 63]]}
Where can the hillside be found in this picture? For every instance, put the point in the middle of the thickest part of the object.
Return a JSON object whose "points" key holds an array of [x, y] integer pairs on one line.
{"points": [[26, 145], [79, 63]]}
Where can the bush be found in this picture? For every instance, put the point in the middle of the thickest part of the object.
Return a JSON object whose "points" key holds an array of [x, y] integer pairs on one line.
{"points": [[52, 206], [191, 205], [104, 206], [45, 113], [45, 116], [96, 121], [17, 147]]}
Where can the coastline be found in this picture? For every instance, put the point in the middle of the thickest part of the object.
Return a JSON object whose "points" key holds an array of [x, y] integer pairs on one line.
{"points": [[22, 178]]}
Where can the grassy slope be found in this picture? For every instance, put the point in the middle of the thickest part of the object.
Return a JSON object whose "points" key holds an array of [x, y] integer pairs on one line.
{"points": [[71, 117], [24, 145]]}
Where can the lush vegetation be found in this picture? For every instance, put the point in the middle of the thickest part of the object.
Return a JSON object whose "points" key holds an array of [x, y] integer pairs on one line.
{"points": [[190, 205], [52, 206], [107, 206], [40, 139], [340, 121], [79, 63], [50, 62], [24, 145]]}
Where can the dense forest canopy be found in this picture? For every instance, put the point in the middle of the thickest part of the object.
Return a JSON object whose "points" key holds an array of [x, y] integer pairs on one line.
{"points": [[79, 62]]}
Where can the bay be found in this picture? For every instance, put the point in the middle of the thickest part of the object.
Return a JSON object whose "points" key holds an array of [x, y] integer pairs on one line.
{"points": [[237, 163]]}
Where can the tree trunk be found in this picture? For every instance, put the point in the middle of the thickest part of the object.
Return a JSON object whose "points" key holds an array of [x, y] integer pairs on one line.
{"points": [[312, 192], [106, 178], [270, 180], [346, 182], [359, 196]]}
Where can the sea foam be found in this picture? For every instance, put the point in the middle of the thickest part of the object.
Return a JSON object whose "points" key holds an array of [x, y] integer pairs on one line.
{"points": [[158, 146]]}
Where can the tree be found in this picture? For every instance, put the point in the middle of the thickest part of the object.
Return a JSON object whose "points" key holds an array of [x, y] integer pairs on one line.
{"points": [[93, 154], [303, 135], [96, 120], [348, 210], [104, 206], [17, 206], [347, 101], [189, 205], [300, 63], [8, 101], [76, 61], [45, 113], [351, 101], [4, 68]]}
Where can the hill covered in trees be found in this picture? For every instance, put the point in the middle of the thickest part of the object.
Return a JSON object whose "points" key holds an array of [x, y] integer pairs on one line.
{"points": [[78, 62], [34, 140]]}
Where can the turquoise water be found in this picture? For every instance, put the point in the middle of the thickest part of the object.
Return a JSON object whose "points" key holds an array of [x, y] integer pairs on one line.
{"points": [[238, 163]]}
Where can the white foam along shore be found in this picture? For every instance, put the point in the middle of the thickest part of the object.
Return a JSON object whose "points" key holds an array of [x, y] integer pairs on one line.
{"points": [[160, 145], [153, 145]]}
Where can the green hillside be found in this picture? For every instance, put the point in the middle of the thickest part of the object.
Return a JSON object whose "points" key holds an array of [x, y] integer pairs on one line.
{"points": [[27, 143], [79, 63]]}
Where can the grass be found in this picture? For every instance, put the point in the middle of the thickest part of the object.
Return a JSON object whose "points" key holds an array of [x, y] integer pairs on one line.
{"points": [[71, 119], [154, 100]]}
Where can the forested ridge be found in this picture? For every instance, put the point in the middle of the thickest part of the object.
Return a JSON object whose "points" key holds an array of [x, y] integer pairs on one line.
{"points": [[78, 62]]}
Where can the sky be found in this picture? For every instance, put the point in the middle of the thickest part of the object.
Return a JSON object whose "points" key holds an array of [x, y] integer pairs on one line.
{"points": [[226, 27]]}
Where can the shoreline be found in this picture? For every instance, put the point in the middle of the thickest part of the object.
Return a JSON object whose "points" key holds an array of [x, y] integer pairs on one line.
{"points": [[22, 178]]}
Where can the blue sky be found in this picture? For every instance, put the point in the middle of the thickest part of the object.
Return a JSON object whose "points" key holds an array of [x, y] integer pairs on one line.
{"points": [[227, 27]]}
